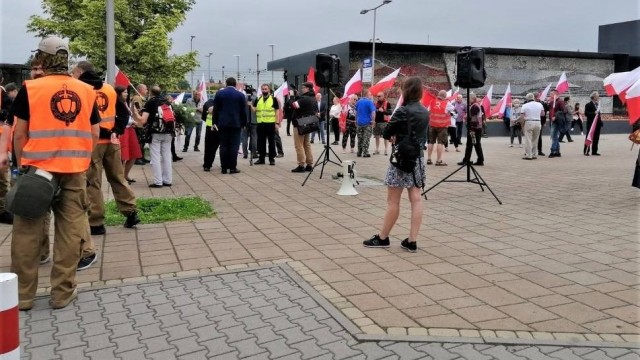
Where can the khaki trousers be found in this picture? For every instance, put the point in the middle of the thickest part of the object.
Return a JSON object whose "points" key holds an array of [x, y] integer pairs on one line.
{"points": [[70, 220], [106, 157], [303, 148]]}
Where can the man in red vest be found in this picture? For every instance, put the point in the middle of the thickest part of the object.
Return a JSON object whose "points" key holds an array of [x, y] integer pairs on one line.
{"points": [[439, 120]]}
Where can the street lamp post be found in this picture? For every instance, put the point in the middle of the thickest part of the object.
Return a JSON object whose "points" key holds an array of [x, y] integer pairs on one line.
{"points": [[373, 42], [223, 78], [209, 56], [238, 65], [192, 36], [272, 46]]}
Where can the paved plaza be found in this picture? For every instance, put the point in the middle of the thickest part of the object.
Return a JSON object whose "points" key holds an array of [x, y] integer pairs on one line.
{"points": [[556, 264]]}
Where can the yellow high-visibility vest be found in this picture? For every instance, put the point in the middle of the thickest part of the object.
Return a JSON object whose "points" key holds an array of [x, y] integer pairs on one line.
{"points": [[265, 113]]}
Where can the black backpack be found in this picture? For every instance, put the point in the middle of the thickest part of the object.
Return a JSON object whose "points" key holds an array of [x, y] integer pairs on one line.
{"points": [[406, 152]]}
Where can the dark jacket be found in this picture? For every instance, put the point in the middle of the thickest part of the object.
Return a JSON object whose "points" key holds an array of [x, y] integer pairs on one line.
{"points": [[229, 108], [590, 110], [307, 106], [122, 117], [413, 114], [205, 109]]}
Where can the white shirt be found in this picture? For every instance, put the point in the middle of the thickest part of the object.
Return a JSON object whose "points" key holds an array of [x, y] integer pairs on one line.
{"points": [[335, 111], [532, 110]]}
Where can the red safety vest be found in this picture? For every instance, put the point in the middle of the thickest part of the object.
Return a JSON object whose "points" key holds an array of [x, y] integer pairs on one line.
{"points": [[438, 116]]}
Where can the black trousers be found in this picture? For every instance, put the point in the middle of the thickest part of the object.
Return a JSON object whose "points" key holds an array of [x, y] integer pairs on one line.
{"points": [[229, 145], [542, 122], [454, 137], [288, 127], [596, 137], [279, 148], [469, 148], [211, 143], [335, 127], [267, 132]]}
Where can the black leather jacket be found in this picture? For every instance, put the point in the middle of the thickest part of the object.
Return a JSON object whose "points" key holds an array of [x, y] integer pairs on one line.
{"points": [[414, 114], [307, 106]]}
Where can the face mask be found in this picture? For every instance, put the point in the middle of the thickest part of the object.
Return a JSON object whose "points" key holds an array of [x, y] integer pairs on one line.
{"points": [[265, 93]]}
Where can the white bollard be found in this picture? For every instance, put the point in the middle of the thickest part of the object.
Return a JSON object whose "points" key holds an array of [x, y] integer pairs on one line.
{"points": [[348, 186], [9, 317]]}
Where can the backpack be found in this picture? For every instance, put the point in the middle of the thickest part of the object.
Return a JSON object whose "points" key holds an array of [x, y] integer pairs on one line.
{"points": [[165, 119], [406, 152]]}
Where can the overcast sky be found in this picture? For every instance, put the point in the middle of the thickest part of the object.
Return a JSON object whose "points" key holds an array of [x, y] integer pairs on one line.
{"points": [[246, 27]]}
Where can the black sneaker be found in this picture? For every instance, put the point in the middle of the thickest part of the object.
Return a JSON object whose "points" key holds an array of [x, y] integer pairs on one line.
{"points": [[299, 169], [140, 162], [409, 246], [280, 155], [259, 162], [6, 218], [132, 220], [86, 262], [196, 149], [98, 230], [376, 242], [308, 168]]}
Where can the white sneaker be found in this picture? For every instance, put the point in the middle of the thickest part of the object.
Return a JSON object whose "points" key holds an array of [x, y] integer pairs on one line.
{"points": [[511, 145]]}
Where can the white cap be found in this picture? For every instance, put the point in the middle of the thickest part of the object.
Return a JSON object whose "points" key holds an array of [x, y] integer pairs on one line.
{"points": [[52, 44]]}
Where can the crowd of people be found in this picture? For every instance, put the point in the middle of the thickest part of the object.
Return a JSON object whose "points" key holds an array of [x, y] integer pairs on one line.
{"points": [[87, 127]]}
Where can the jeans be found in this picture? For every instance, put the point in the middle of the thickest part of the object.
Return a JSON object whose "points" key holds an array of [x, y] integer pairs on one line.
{"points": [[189, 131], [229, 143], [555, 138], [161, 158], [459, 126], [320, 132]]}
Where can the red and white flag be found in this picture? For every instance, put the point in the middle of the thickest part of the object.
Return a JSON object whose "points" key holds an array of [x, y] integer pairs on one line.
{"points": [[386, 83], [202, 89], [452, 95], [633, 102], [501, 106], [354, 85], [563, 84], [545, 93], [311, 77], [486, 102], [398, 104], [281, 92], [122, 79], [620, 83]]}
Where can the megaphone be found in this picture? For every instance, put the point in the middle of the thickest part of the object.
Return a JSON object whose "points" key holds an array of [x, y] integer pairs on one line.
{"points": [[349, 181]]}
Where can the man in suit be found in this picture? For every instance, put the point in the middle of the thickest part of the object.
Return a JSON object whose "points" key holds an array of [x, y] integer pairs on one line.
{"points": [[229, 117], [322, 114], [591, 110]]}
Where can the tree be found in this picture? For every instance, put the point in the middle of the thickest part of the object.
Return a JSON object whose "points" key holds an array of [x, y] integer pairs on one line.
{"points": [[183, 84], [142, 35]]}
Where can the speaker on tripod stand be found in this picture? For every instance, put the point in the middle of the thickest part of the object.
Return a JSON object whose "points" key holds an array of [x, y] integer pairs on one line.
{"points": [[470, 73]]}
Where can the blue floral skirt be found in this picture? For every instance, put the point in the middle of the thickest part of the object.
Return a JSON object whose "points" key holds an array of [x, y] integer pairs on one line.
{"points": [[398, 178]]}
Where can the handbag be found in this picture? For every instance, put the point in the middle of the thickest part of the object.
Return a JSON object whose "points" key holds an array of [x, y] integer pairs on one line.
{"points": [[308, 124]]}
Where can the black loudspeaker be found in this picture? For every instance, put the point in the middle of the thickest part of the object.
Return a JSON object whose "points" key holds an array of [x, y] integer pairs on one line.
{"points": [[470, 71], [327, 70]]}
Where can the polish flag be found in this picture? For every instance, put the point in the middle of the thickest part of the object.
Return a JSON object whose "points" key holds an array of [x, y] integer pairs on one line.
{"points": [[354, 85], [386, 83], [311, 77], [486, 102], [633, 102], [563, 84], [122, 79], [202, 89], [619, 83], [501, 106], [452, 95], [427, 98], [281, 92], [545, 93], [592, 129]]}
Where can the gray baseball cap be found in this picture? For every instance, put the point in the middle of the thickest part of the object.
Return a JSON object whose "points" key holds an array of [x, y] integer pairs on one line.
{"points": [[52, 44]]}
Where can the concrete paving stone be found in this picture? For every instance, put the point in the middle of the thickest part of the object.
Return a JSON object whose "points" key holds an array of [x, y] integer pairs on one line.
{"points": [[101, 354], [578, 313], [527, 313], [436, 351]]}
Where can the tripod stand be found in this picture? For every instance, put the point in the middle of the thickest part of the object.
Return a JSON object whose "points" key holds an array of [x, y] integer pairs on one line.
{"points": [[477, 178], [325, 155]]}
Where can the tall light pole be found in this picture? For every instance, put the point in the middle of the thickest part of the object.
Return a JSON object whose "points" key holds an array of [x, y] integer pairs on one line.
{"points": [[373, 48], [209, 56], [111, 43], [238, 65], [272, 46], [223, 78], [192, 36]]}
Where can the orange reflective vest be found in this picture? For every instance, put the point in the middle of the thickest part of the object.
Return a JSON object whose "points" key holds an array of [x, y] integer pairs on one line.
{"points": [[59, 137], [1, 98], [438, 117], [106, 101]]}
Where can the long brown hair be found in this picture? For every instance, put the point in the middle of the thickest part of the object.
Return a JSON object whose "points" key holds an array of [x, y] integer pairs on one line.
{"points": [[412, 90]]}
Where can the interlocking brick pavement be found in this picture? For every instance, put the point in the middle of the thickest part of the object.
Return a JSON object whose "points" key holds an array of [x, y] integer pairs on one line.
{"points": [[208, 317], [560, 255]]}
